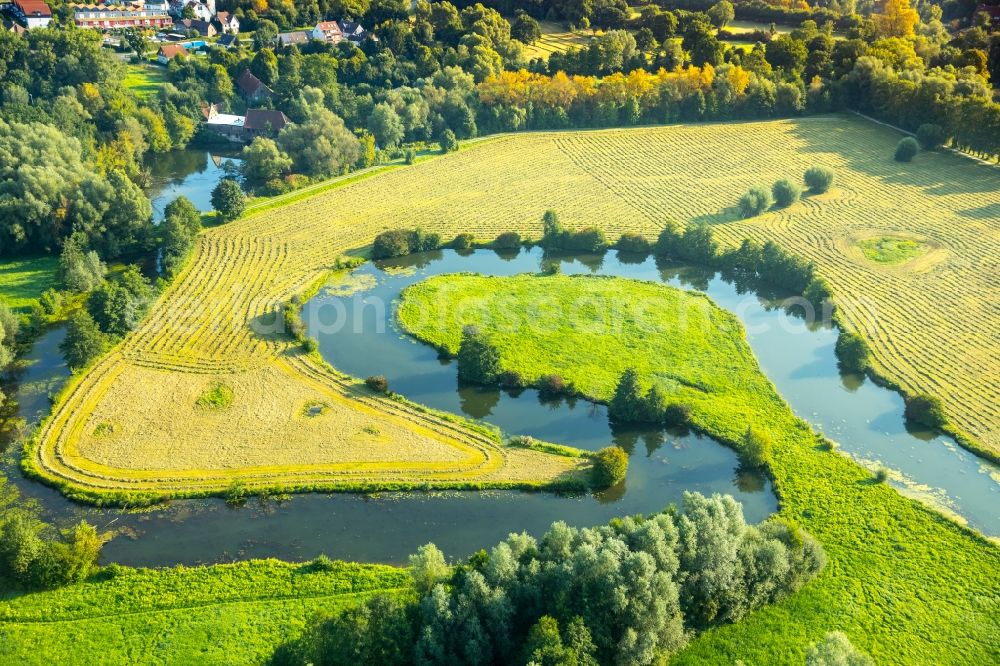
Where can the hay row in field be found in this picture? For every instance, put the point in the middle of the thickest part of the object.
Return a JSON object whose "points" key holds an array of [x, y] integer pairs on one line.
{"points": [[933, 329]]}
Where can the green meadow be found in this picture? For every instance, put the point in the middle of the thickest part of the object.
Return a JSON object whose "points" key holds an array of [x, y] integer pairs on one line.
{"points": [[903, 582]]}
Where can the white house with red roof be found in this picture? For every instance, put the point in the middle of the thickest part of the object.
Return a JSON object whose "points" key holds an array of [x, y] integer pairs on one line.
{"points": [[328, 31], [31, 13]]}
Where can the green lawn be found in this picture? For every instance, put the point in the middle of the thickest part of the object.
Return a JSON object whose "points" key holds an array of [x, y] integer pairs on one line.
{"points": [[890, 250], [22, 281], [225, 614], [145, 79], [903, 582]]}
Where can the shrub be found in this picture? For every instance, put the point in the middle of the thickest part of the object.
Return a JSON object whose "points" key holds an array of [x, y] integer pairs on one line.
{"points": [[410, 156], [931, 136], [463, 241], [392, 243], [633, 243], [449, 143], [926, 410], [552, 385], [627, 404], [400, 242], [755, 201], [478, 358], [590, 239], [669, 240], [508, 240], [818, 292], [818, 179], [378, 383], [610, 466], [906, 149], [228, 199], [834, 649], [322, 563], [852, 352], [309, 345], [677, 414], [785, 192], [881, 475], [757, 446], [84, 341], [510, 379]]}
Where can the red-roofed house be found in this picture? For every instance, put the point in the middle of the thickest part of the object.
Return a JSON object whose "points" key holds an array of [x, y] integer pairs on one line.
{"points": [[168, 52], [328, 31], [119, 17], [226, 23], [32, 13]]}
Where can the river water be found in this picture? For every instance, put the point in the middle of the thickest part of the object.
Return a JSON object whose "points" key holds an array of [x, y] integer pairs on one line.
{"points": [[865, 419]]}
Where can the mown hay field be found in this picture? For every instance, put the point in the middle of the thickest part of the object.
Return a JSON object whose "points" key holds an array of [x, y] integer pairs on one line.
{"points": [[933, 321], [555, 39]]}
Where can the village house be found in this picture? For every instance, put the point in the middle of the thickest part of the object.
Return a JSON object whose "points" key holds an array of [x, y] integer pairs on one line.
{"points": [[243, 129], [202, 10], [296, 37], [228, 41], [251, 88], [168, 52], [203, 28], [118, 17], [226, 23], [31, 13], [353, 31], [328, 31]]}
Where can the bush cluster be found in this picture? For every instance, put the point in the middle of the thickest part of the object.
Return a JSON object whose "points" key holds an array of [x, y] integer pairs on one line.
{"points": [[906, 149], [610, 467], [478, 357], [785, 192], [926, 410], [557, 237], [463, 241], [633, 403], [634, 243], [508, 240], [400, 242], [819, 179], [931, 136], [378, 383], [852, 352], [756, 200]]}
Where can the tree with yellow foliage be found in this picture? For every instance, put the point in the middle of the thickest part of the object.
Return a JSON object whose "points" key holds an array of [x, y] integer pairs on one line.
{"points": [[897, 19]]}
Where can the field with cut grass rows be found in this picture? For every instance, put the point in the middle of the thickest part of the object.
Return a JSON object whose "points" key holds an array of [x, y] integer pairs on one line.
{"points": [[215, 323]]}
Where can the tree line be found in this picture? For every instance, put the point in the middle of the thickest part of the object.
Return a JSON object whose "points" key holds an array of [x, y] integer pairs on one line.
{"points": [[629, 592]]}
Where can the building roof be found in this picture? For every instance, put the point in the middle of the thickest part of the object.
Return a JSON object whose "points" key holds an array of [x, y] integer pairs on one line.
{"points": [[226, 120], [352, 28], [170, 51], [260, 119], [294, 37], [328, 26], [223, 17], [34, 8], [228, 39], [250, 84]]}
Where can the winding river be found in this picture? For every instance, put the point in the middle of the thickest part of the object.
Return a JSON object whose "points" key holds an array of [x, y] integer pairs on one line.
{"points": [[357, 334]]}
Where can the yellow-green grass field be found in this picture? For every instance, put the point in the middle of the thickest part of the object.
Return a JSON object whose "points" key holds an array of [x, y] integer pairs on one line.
{"points": [[204, 329], [899, 579], [225, 614], [556, 39], [145, 79], [22, 281]]}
